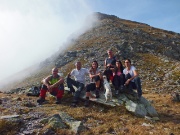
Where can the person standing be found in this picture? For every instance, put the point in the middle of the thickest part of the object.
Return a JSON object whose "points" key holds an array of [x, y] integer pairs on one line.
{"points": [[54, 84], [132, 79], [79, 74]]}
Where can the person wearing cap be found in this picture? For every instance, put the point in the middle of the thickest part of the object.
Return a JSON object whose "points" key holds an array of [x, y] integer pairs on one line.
{"points": [[54, 84], [79, 75]]}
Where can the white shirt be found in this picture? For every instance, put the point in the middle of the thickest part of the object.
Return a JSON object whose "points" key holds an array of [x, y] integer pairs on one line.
{"points": [[131, 71], [79, 75]]}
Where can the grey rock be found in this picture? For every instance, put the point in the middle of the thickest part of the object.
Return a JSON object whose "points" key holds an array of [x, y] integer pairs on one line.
{"points": [[54, 122], [9, 116], [76, 126], [137, 109], [150, 109]]}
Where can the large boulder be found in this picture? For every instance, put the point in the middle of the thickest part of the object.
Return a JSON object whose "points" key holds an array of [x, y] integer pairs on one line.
{"points": [[139, 107]]}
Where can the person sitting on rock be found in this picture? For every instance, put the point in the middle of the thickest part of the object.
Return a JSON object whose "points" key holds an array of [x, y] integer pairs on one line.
{"points": [[79, 82], [132, 79], [96, 77], [109, 64], [118, 77], [54, 84]]}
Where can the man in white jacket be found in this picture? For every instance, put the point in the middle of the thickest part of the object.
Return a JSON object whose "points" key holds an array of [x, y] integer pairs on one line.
{"points": [[79, 81]]}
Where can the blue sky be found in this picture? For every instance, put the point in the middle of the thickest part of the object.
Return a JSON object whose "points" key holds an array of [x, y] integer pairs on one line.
{"points": [[32, 30], [163, 14]]}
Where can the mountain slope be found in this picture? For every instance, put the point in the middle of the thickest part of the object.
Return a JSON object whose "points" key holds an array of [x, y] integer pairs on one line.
{"points": [[155, 52]]}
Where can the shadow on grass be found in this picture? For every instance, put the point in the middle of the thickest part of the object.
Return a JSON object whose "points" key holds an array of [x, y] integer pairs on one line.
{"points": [[165, 117]]}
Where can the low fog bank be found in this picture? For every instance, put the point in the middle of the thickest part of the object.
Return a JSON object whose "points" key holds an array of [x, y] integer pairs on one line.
{"points": [[32, 31], [7, 83]]}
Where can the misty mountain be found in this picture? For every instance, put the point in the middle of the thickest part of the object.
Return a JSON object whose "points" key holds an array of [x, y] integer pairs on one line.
{"points": [[154, 52]]}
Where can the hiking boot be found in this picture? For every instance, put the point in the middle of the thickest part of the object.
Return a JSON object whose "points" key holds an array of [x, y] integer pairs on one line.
{"points": [[117, 92], [58, 101], [86, 104], [97, 93], [41, 100]]}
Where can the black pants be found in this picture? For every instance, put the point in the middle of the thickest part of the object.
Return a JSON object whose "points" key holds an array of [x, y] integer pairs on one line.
{"points": [[92, 86], [108, 73], [134, 85], [118, 81], [78, 85]]}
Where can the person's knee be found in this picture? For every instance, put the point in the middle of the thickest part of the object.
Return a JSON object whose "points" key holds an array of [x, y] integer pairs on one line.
{"points": [[69, 82], [128, 76], [96, 78], [137, 79]]}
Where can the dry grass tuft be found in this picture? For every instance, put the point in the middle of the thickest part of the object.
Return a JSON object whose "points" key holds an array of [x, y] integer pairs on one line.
{"points": [[8, 127]]}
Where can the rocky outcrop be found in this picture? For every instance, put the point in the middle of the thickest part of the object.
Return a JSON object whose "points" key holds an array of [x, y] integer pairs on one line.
{"points": [[75, 125], [140, 108]]}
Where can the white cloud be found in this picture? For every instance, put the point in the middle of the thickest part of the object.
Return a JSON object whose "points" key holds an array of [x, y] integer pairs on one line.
{"points": [[32, 30]]}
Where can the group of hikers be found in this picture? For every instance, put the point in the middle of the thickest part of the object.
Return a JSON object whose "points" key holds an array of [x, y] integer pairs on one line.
{"points": [[123, 79]]}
